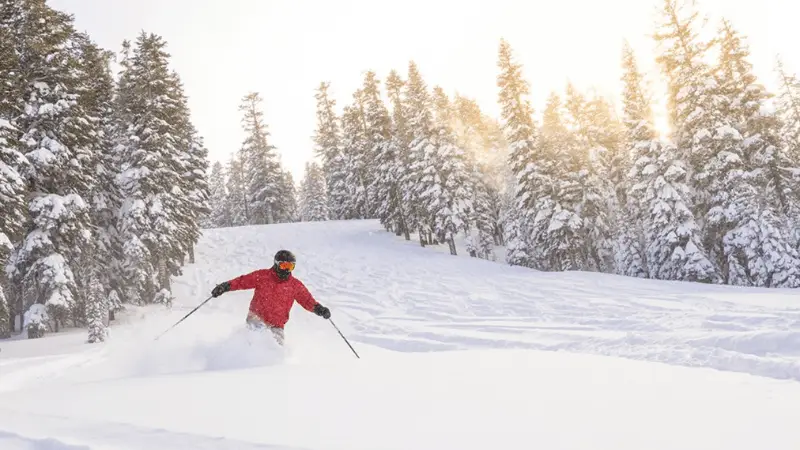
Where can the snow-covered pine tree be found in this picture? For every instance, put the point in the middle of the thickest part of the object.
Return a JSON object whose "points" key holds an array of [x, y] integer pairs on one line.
{"points": [[152, 152], [697, 133], [286, 208], [448, 180], [472, 135], [95, 95], [399, 144], [783, 162], [236, 197], [313, 198], [496, 171], [327, 140], [659, 195], [96, 311], [690, 86], [788, 108], [355, 152], [526, 161], [383, 156], [558, 228], [631, 257], [755, 245], [260, 163], [419, 121], [54, 135], [12, 185], [219, 215], [674, 250], [595, 138], [194, 191]]}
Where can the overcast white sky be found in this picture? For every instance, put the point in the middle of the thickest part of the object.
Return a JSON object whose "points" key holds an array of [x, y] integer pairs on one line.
{"points": [[283, 49]]}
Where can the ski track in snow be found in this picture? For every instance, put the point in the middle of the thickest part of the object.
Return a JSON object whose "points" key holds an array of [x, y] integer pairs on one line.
{"points": [[392, 293]]}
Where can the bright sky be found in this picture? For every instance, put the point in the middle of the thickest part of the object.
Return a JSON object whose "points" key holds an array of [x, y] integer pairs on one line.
{"points": [[283, 49]]}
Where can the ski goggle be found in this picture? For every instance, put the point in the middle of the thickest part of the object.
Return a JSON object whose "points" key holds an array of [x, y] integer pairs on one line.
{"points": [[286, 265]]}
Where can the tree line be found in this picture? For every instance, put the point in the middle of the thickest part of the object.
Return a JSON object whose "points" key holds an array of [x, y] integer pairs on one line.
{"points": [[102, 180], [589, 185]]}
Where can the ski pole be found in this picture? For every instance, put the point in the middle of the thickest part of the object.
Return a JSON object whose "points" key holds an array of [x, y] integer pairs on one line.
{"points": [[184, 317], [345, 339]]}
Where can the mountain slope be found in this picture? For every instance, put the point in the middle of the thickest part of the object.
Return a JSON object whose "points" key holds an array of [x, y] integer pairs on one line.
{"points": [[451, 353]]}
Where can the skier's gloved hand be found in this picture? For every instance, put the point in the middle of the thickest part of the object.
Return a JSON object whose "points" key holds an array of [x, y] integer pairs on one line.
{"points": [[322, 311], [221, 289]]}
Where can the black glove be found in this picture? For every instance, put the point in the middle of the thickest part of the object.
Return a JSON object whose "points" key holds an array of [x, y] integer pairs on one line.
{"points": [[221, 289], [322, 311]]}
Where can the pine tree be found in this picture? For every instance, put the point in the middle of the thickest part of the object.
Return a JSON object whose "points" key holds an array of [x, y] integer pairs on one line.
{"points": [[472, 135], [691, 102], [236, 198], [756, 249], [194, 190], [357, 152], [383, 156], [789, 108], [448, 180], [419, 120], [12, 185], [260, 163], [699, 137], [558, 227], [596, 142], [286, 208], [95, 87], [674, 250], [399, 143], [55, 139], [220, 213], [527, 163], [785, 157], [631, 258], [153, 149], [327, 139], [96, 311], [314, 202]]}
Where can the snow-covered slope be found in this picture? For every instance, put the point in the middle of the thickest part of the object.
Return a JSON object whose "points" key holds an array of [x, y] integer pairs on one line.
{"points": [[451, 357]]}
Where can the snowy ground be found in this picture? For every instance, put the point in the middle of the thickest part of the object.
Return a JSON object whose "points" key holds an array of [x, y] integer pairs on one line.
{"points": [[453, 357]]}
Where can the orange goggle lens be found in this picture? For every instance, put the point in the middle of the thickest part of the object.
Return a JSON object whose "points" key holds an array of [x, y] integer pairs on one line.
{"points": [[286, 265]]}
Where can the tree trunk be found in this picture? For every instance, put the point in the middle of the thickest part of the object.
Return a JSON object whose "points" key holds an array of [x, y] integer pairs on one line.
{"points": [[404, 227], [452, 243], [164, 275], [191, 253], [270, 216]]}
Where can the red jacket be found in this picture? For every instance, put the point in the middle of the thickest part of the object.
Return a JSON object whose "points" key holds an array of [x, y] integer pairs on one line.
{"points": [[273, 298]]}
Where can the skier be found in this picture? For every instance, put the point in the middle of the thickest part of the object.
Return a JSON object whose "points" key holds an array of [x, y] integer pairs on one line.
{"points": [[275, 292]]}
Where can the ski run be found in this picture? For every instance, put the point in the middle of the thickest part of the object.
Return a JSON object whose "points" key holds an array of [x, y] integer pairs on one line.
{"points": [[456, 353]]}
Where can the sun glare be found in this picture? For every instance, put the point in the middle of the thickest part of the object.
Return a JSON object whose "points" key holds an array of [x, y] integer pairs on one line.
{"points": [[662, 126]]}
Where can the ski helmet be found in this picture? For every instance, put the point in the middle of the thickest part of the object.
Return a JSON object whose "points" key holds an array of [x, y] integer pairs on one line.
{"points": [[284, 263]]}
